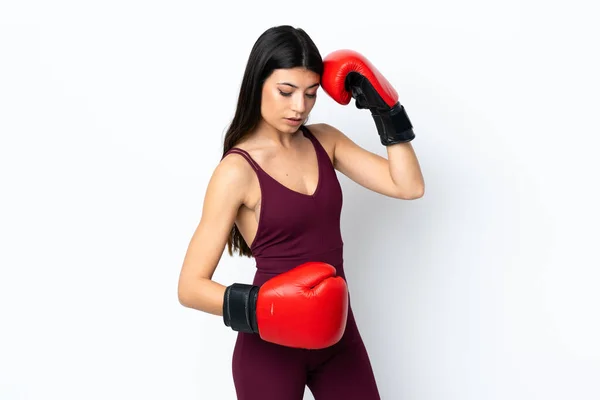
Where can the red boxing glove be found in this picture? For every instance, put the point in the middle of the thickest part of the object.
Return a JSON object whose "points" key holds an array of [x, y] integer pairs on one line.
{"points": [[347, 74], [305, 307]]}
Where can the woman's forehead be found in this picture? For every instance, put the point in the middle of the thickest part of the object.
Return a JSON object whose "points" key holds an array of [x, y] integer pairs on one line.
{"points": [[297, 77]]}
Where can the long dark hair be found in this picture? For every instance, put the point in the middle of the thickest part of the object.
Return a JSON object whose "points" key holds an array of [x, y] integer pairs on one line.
{"points": [[277, 48]]}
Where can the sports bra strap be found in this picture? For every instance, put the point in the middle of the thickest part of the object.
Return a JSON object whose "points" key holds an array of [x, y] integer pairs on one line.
{"points": [[244, 154]]}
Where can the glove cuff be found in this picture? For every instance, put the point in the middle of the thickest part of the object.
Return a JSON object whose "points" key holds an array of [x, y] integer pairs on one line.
{"points": [[239, 307], [393, 125]]}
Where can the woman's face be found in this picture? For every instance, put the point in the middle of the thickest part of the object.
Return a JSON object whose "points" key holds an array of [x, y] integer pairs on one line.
{"points": [[288, 96]]}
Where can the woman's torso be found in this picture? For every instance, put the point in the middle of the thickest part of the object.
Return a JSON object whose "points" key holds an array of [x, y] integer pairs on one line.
{"points": [[292, 210]]}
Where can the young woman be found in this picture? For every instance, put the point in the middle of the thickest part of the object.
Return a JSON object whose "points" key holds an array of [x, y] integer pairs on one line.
{"points": [[275, 197]]}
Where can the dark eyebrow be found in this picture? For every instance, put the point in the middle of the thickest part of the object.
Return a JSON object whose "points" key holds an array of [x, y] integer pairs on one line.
{"points": [[294, 86]]}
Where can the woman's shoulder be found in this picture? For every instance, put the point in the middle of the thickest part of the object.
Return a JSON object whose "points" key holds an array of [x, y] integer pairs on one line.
{"points": [[233, 170], [253, 149], [324, 131], [326, 134]]}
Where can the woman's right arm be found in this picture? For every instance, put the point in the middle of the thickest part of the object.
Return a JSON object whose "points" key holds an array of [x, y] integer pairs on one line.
{"points": [[225, 194]]}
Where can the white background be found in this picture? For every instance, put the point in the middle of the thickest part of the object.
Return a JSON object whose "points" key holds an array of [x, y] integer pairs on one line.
{"points": [[112, 116]]}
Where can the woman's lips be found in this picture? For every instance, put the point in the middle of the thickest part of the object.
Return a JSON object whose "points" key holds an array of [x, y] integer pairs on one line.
{"points": [[294, 121]]}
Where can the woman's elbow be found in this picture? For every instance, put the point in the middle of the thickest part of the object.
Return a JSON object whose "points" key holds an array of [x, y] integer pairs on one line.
{"points": [[184, 293], [182, 296], [415, 193]]}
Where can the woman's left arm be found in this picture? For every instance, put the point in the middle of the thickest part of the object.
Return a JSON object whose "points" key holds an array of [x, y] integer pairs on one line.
{"points": [[398, 176]]}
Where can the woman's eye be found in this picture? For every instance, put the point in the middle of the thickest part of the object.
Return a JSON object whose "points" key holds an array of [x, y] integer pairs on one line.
{"points": [[288, 94]]}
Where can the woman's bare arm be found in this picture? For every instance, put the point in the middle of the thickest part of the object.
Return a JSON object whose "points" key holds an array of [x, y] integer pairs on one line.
{"points": [[225, 194]]}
